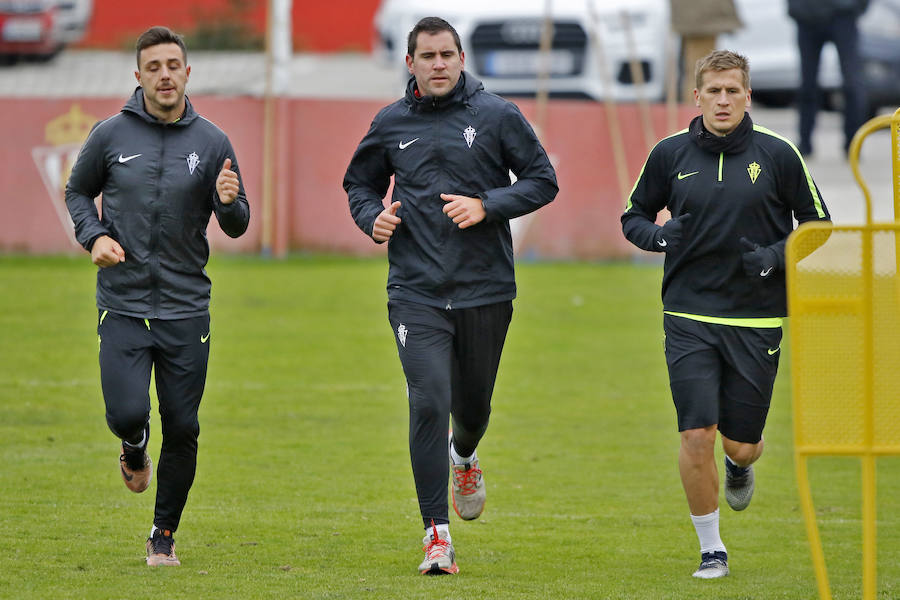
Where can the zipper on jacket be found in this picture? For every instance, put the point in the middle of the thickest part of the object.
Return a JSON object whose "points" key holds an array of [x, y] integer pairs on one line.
{"points": [[721, 162], [154, 228], [447, 225]]}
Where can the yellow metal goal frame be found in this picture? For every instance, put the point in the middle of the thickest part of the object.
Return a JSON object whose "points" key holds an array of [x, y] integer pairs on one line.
{"points": [[818, 433]]}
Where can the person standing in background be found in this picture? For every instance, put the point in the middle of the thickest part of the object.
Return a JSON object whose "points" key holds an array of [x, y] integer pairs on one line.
{"points": [[819, 22]]}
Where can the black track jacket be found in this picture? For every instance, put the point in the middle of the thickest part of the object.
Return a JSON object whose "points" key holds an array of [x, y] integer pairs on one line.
{"points": [[747, 184], [464, 143], [159, 189]]}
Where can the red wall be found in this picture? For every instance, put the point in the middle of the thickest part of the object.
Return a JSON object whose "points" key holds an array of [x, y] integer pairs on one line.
{"points": [[321, 26], [48, 134], [315, 140]]}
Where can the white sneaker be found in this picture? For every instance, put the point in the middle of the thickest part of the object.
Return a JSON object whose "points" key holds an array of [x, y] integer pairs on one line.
{"points": [[440, 558], [467, 485], [712, 565]]}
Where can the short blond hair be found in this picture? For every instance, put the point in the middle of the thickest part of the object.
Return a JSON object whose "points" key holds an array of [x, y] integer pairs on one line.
{"points": [[722, 60]]}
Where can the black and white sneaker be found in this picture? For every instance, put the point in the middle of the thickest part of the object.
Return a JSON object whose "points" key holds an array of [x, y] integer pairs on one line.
{"points": [[739, 484], [712, 565], [136, 468]]}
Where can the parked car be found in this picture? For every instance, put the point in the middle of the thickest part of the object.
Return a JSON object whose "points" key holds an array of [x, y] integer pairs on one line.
{"points": [[40, 29], [74, 17], [501, 41], [880, 54], [29, 27]]}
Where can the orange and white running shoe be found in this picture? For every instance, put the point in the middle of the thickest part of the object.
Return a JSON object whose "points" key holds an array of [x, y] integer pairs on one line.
{"points": [[467, 485], [440, 558]]}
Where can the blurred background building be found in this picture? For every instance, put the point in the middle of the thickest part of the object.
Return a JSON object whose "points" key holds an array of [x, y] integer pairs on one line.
{"points": [[598, 79]]}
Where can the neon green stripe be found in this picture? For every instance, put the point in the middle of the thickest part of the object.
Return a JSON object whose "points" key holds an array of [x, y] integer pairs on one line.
{"points": [[628, 204], [721, 161], [103, 316], [809, 181], [147, 323], [643, 166], [758, 322]]}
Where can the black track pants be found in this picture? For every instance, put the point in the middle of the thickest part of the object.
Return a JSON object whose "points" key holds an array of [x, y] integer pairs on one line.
{"points": [[178, 351], [450, 359]]}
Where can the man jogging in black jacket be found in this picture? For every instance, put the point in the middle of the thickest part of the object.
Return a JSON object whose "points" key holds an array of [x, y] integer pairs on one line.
{"points": [[450, 147], [162, 170], [733, 189]]}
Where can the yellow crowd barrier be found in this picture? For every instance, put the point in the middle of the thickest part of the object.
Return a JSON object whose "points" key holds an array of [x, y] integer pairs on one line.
{"points": [[844, 304]]}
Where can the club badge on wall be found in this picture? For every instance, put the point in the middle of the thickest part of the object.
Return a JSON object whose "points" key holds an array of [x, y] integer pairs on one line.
{"points": [[64, 135]]}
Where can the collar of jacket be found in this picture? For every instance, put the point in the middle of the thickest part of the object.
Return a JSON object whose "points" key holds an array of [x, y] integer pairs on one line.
{"points": [[465, 88], [735, 142], [135, 105]]}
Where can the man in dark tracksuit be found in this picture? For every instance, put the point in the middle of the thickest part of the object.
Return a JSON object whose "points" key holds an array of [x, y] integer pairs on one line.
{"points": [[450, 147], [163, 170], [732, 188]]}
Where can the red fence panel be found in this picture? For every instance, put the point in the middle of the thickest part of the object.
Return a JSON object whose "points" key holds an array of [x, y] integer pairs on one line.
{"points": [[314, 142]]}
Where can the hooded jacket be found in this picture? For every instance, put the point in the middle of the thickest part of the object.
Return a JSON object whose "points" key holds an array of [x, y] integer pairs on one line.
{"points": [[749, 184], [158, 182], [466, 143]]}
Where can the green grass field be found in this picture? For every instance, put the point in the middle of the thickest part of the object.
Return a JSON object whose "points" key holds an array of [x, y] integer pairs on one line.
{"points": [[304, 488]]}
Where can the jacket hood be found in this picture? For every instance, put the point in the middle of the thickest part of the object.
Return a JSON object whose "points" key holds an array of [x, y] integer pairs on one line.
{"points": [[135, 105], [465, 88]]}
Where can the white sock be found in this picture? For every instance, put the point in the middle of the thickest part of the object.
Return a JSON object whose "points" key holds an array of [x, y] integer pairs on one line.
{"points": [[443, 531], [461, 460], [707, 527], [153, 530], [734, 464], [140, 444]]}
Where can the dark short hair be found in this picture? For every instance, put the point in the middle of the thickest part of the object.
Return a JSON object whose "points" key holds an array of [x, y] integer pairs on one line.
{"points": [[159, 35], [431, 26], [723, 60]]}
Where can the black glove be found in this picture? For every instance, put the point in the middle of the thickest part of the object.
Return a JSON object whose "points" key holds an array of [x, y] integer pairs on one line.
{"points": [[759, 261], [668, 237]]}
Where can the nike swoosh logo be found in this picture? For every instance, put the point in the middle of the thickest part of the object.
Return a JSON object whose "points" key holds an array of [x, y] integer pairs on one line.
{"points": [[126, 475], [663, 243], [203, 338], [765, 272], [403, 145], [686, 175], [125, 159], [772, 351]]}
